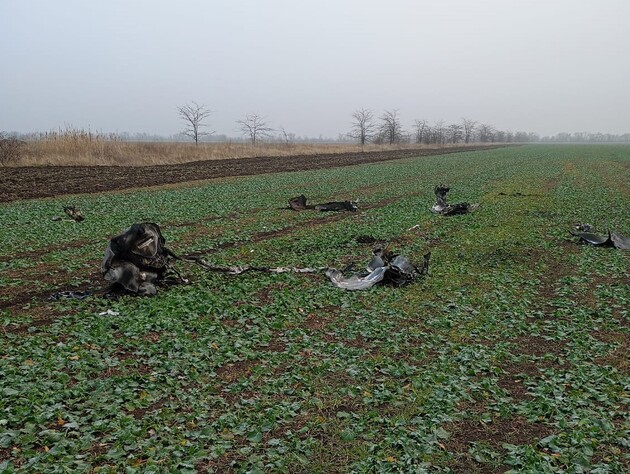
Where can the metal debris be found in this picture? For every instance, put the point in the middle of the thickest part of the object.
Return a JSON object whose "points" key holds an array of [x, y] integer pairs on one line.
{"points": [[583, 227], [69, 295], [441, 207], [613, 239], [337, 206], [137, 260], [384, 268], [74, 213], [239, 269], [298, 203]]}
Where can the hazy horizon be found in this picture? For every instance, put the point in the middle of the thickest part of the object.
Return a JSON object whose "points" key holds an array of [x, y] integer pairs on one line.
{"points": [[535, 66]]}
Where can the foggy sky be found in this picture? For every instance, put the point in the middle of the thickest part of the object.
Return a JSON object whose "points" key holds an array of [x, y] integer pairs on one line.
{"points": [[125, 65]]}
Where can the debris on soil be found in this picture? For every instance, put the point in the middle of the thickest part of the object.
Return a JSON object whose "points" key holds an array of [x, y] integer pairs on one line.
{"points": [[441, 207], [337, 206], [239, 269], [137, 261], [298, 203], [69, 295], [384, 268], [583, 227], [516, 194], [72, 212], [613, 239]]}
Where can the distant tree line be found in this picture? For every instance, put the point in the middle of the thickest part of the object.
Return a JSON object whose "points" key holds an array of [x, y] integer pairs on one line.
{"points": [[387, 128], [366, 128], [587, 137]]}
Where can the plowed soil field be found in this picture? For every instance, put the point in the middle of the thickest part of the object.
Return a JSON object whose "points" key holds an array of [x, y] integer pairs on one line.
{"points": [[48, 181]]}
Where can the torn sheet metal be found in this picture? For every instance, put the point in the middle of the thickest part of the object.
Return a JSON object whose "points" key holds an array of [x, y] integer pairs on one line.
{"points": [[337, 206], [583, 227], [441, 207], [69, 295], [613, 239], [72, 212], [137, 260], [298, 203], [384, 268], [620, 241]]}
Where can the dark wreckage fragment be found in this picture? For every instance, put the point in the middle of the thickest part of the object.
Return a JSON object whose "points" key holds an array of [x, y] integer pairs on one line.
{"points": [[384, 268], [137, 260], [298, 203], [613, 239], [441, 207]]}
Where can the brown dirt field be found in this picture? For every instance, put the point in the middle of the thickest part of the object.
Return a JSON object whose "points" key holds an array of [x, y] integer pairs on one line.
{"points": [[39, 182]]}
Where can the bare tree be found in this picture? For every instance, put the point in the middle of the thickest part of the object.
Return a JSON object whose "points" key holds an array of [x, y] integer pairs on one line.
{"points": [[469, 129], [455, 133], [486, 133], [363, 126], [439, 134], [391, 127], [421, 130], [193, 116], [255, 127], [286, 137]]}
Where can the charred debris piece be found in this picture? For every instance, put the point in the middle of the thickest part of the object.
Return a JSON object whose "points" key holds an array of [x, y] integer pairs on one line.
{"points": [[72, 212], [613, 239], [385, 268], [441, 207], [69, 295], [137, 260], [298, 203]]}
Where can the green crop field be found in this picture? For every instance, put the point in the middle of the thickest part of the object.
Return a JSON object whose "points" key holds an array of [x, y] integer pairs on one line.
{"points": [[511, 355]]}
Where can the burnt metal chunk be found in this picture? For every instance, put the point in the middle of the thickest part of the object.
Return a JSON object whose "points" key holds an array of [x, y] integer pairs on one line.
{"points": [[337, 206], [613, 239], [137, 259], [384, 268], [441, 207], [298, 203]]}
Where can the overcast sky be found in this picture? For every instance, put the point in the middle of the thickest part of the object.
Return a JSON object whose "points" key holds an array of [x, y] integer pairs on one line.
{"points": [[125, 65]]}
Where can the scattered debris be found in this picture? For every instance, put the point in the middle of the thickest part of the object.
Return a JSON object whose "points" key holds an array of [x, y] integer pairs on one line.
{"points": [[516, 194], [613, 239], [384, 268], [337, 206], [298, 203], [73, 212], [583, 227], [239, 269], [69, 295], [109, 312], [440, 206], [137, 260]]}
